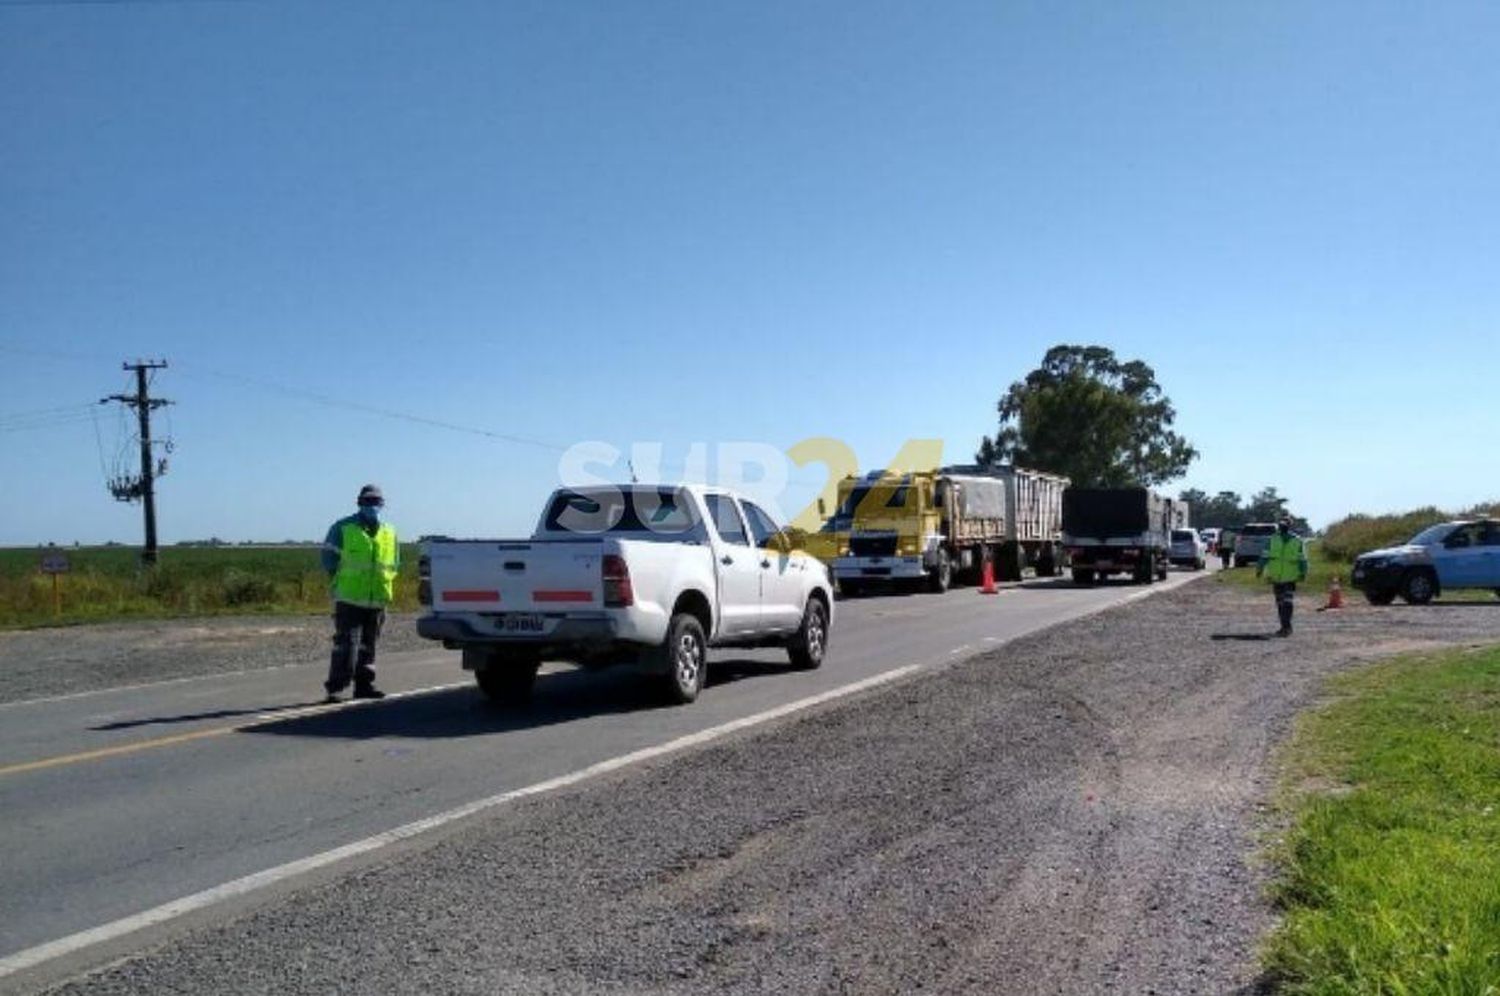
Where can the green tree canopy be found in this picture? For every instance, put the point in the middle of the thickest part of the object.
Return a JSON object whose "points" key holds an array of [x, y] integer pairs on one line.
{"points": [[1085, 414]]}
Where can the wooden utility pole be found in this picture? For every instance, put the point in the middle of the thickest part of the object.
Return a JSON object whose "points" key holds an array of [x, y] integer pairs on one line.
{"points": [[142, 487]]}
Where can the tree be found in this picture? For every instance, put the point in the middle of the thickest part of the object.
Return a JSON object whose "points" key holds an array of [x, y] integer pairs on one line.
{"points": [[1085, 414]]}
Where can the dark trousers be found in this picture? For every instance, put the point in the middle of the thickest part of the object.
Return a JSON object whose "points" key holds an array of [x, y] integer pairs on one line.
{"points": [[1285, 593], [351, 622]]}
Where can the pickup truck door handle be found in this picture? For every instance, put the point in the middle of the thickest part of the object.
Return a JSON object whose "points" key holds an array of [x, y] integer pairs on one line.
{"points": [[765, 563], [726, 559]]}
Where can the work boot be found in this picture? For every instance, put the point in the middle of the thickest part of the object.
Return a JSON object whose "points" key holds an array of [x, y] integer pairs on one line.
{"points": [[1284, 631], [331, 698], [368, 692]]}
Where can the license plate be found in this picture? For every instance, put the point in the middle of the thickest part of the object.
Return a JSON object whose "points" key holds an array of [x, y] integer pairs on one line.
{"points": [[522, 622]]}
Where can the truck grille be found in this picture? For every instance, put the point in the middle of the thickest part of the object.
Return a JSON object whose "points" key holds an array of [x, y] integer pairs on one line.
{"points": [[872, 546]]}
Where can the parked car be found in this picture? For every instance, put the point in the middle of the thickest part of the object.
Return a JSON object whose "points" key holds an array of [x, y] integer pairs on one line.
{"points": [[1463, 554], [1251, 542], [1187, 550], [649, 575], [1210, 537]]}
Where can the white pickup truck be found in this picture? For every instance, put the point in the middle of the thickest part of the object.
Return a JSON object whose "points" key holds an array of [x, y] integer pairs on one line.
{"points": [[651, 575]]}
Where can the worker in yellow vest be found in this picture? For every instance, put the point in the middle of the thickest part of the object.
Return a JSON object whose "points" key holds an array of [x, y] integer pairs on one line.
{"points": [[361, 556], [1284, 563]]}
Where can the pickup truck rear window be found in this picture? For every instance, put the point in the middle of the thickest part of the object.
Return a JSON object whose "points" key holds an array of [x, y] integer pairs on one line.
{"points": [[660, 511]]}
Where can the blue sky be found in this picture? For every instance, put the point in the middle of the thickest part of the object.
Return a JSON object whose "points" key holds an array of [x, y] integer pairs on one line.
{"points": [[720, 223]]}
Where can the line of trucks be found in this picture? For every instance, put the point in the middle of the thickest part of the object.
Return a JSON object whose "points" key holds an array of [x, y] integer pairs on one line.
{"points": [[654, 576]]}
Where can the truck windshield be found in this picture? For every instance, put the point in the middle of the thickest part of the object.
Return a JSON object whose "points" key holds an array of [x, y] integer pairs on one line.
{"points": [[1183, 536], [630, 510]]}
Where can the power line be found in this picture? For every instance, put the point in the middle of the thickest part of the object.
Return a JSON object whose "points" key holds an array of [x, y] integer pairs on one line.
{"points": [[321, 399]]}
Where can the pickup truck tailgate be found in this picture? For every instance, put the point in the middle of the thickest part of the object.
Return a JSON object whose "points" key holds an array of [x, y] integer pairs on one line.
{"points": [[517, 576]]}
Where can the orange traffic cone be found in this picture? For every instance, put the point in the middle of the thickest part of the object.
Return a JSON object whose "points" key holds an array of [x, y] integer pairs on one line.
{"points": [[987, 579], [1335, 594]]}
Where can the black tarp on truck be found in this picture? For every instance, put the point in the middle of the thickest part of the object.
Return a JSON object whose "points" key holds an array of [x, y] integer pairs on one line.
{"points": [[1117, 530]]}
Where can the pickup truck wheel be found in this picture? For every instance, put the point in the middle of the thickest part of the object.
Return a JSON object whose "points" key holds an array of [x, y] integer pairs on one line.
{"points": [[508, 683], [1082, 575], [1417, 588], [810, 643], [685, 654], [1380, 597], [942, 574]]}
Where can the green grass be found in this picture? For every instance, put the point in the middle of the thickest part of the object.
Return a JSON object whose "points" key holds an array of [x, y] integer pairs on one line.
{"points": [[107, 583], [1321, 569], [1389, 877]]}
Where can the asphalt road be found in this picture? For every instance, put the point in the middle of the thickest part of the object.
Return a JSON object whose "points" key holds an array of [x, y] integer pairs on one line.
{"points": [[116, 802]]}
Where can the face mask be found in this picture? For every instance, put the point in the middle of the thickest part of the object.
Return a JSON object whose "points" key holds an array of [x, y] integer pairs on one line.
{"points": [[370, 513]]}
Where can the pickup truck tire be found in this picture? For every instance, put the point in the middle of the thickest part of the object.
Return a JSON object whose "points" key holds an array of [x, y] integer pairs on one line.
{"points": [[808, 645], [1082, 575], [1418, 587], [683, 657], [507, 683], [941, 578], [1380, 597]]}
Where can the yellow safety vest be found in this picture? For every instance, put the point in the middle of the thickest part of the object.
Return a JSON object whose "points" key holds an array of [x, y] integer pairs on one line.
{"points": [[367, 566], [1283, 559]]}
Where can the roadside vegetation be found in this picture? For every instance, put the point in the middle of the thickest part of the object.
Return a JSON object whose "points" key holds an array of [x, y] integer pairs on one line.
{"points": [[1355, 534], [1331, 555], [1389, 874], [108, 583]]}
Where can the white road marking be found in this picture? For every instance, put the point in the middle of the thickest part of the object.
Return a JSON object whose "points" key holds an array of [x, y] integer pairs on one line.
{"points": [[34, 956]]}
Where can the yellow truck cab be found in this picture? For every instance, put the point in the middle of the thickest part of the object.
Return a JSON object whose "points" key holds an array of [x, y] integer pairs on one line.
{"points": [[930, 527]]}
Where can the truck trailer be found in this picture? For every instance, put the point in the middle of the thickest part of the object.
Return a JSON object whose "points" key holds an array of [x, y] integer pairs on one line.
{"points": [[934, 527], [1119, 530]]}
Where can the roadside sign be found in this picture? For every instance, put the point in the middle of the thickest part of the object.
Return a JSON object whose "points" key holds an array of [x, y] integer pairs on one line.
{"points": [[54, 563]]}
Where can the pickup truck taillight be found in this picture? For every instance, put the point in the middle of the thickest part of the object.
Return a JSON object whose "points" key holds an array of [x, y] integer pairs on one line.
{"points": [[617, 590], [424, 580]]}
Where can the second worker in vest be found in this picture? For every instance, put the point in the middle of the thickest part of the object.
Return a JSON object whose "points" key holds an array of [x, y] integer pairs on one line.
{"points": [[362, 557], [1284, 564]]}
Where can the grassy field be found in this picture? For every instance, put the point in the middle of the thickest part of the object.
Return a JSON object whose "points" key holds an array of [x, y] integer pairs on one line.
{"points": [[1389, 877], [107, 583]]}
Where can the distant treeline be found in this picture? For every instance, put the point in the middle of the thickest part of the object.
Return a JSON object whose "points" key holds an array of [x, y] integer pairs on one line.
{"points": [[1227, 510]]}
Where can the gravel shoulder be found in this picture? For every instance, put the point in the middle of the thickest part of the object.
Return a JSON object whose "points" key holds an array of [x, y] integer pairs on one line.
{"points": [[36, 663], [1075, 812]]}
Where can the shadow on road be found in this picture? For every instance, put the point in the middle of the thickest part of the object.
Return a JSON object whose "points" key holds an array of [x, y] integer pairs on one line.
{"points": [[197, 717], [560, 697], [1068, 584], [1243, 636]]}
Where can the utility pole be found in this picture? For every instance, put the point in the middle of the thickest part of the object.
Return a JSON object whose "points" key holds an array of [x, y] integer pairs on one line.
{"points": [[142, 487]]}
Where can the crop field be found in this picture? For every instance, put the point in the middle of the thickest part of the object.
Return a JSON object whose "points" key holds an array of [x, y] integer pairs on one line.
{"points": [[106, 583]]}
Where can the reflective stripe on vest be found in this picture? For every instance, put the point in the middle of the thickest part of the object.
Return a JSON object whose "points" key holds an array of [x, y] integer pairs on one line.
{"points": [[1283, 559], [367, 566]]}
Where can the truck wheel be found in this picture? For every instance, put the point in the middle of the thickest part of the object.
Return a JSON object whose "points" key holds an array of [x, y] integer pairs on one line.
{"points": [[941, 577], [507, 683], [683, 656], [1082, 575], [1144, 569], [1380, 597], [1046, 562], [810, 643], [1418, 587], [1161, 571]]}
